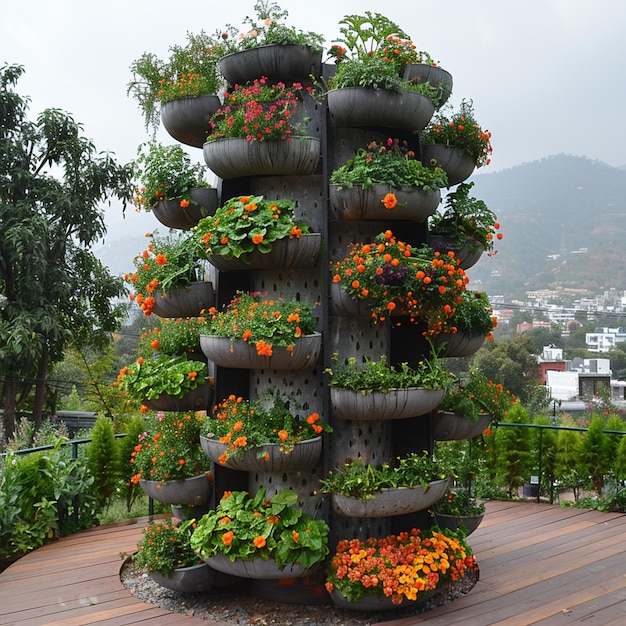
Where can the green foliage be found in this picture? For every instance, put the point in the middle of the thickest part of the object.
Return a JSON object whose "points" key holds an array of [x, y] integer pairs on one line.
{"points": [[358, 480], [465, 220], [462, 131], [245, 224], [593, 458], [126, 445], [190, 71], [103, 461], [165, 547], [391, 164], [171, 337], [568, 452], [147, 379], [513, 462], [164, 173], [266, 29], [369, 376], [55, 290], [459, 502], [473, 315], [169, 262], [38, 492], [547, 439], [248, 526], [264, 322]]}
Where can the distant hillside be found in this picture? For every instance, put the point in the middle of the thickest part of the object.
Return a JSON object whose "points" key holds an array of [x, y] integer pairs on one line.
{"points": [[563, 219], [564, 224]]}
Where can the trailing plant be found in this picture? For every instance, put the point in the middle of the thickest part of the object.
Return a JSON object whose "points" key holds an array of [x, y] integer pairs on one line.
{"points": [[266, 29], [149, 378], [169, 449], [466, 221], [247, 526], [462, 131], [259, 111], [368, 376], [167, 263], [190, 71], [246, 224], [269, 419], [393, 276], [165, 173], [390, 163], [400, 567], [265, 322], [363, 481], [165, 547]]}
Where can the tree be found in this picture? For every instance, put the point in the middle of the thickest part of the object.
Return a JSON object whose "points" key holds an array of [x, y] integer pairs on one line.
{"points": [[512, 363], [53, 290]]}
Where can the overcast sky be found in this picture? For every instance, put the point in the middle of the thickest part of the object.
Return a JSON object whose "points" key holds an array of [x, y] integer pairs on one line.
{"points": [[545, 76]]}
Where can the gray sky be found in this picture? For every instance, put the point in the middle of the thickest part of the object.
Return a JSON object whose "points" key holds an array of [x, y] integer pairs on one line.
{"points": [[546, 76]]}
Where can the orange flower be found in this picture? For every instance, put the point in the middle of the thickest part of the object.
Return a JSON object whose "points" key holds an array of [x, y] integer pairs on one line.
{"points": [[283, 435], [227, 538], [161, 259], [259, 542], [257, 239], [263, 348], [390, 201], [184, 203]]}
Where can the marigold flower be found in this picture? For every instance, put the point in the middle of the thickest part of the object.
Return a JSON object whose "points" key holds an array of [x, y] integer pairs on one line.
{"points": [[259, 542], [161, 259], [184, 203], [390, 201]]}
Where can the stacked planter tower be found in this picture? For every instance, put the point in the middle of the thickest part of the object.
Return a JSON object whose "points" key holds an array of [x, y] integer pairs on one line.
{"points": [[344, 333]]}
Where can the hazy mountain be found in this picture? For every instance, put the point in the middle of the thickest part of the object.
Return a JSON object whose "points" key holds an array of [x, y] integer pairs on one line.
{"points": [[563, 220]]}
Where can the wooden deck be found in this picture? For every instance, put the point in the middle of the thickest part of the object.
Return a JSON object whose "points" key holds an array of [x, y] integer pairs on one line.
{"points": [[539, 564]]}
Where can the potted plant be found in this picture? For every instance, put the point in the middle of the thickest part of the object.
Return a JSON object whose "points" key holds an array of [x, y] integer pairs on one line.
{"points": [[391, 277], [254, 331], [410, 484], [167, 383], [468, 407], [456, 143], [254, 537], [166, 555], [459, 511], [266, 42], [472, 323], [168, 462], [267, 434], [466, 226], [375, 390], [182, 89], [171, 186], [260, 130], [173, 336], [168, 278], [389, 571], [369, 86], [385, 181], [252, 232]]}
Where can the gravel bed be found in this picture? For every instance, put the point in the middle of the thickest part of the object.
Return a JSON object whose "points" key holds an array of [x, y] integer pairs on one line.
{"points": [[235, 605]]}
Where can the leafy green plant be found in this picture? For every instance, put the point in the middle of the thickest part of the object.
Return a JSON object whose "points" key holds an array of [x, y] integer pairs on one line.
{"points": [[245, 224], [391, 276], [165, 173], [478, 395], [148, 379], [169, 449], [172, 337], [190, 71], [167, 263], [461, 130], [270, 419], [259, 112], [266, 322], [165, 547], [248, 526], [473, 315], [466, 221], [460, 503], [369, 376], [267, 29], [103, 460], [390, 163], [358, 480]]}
